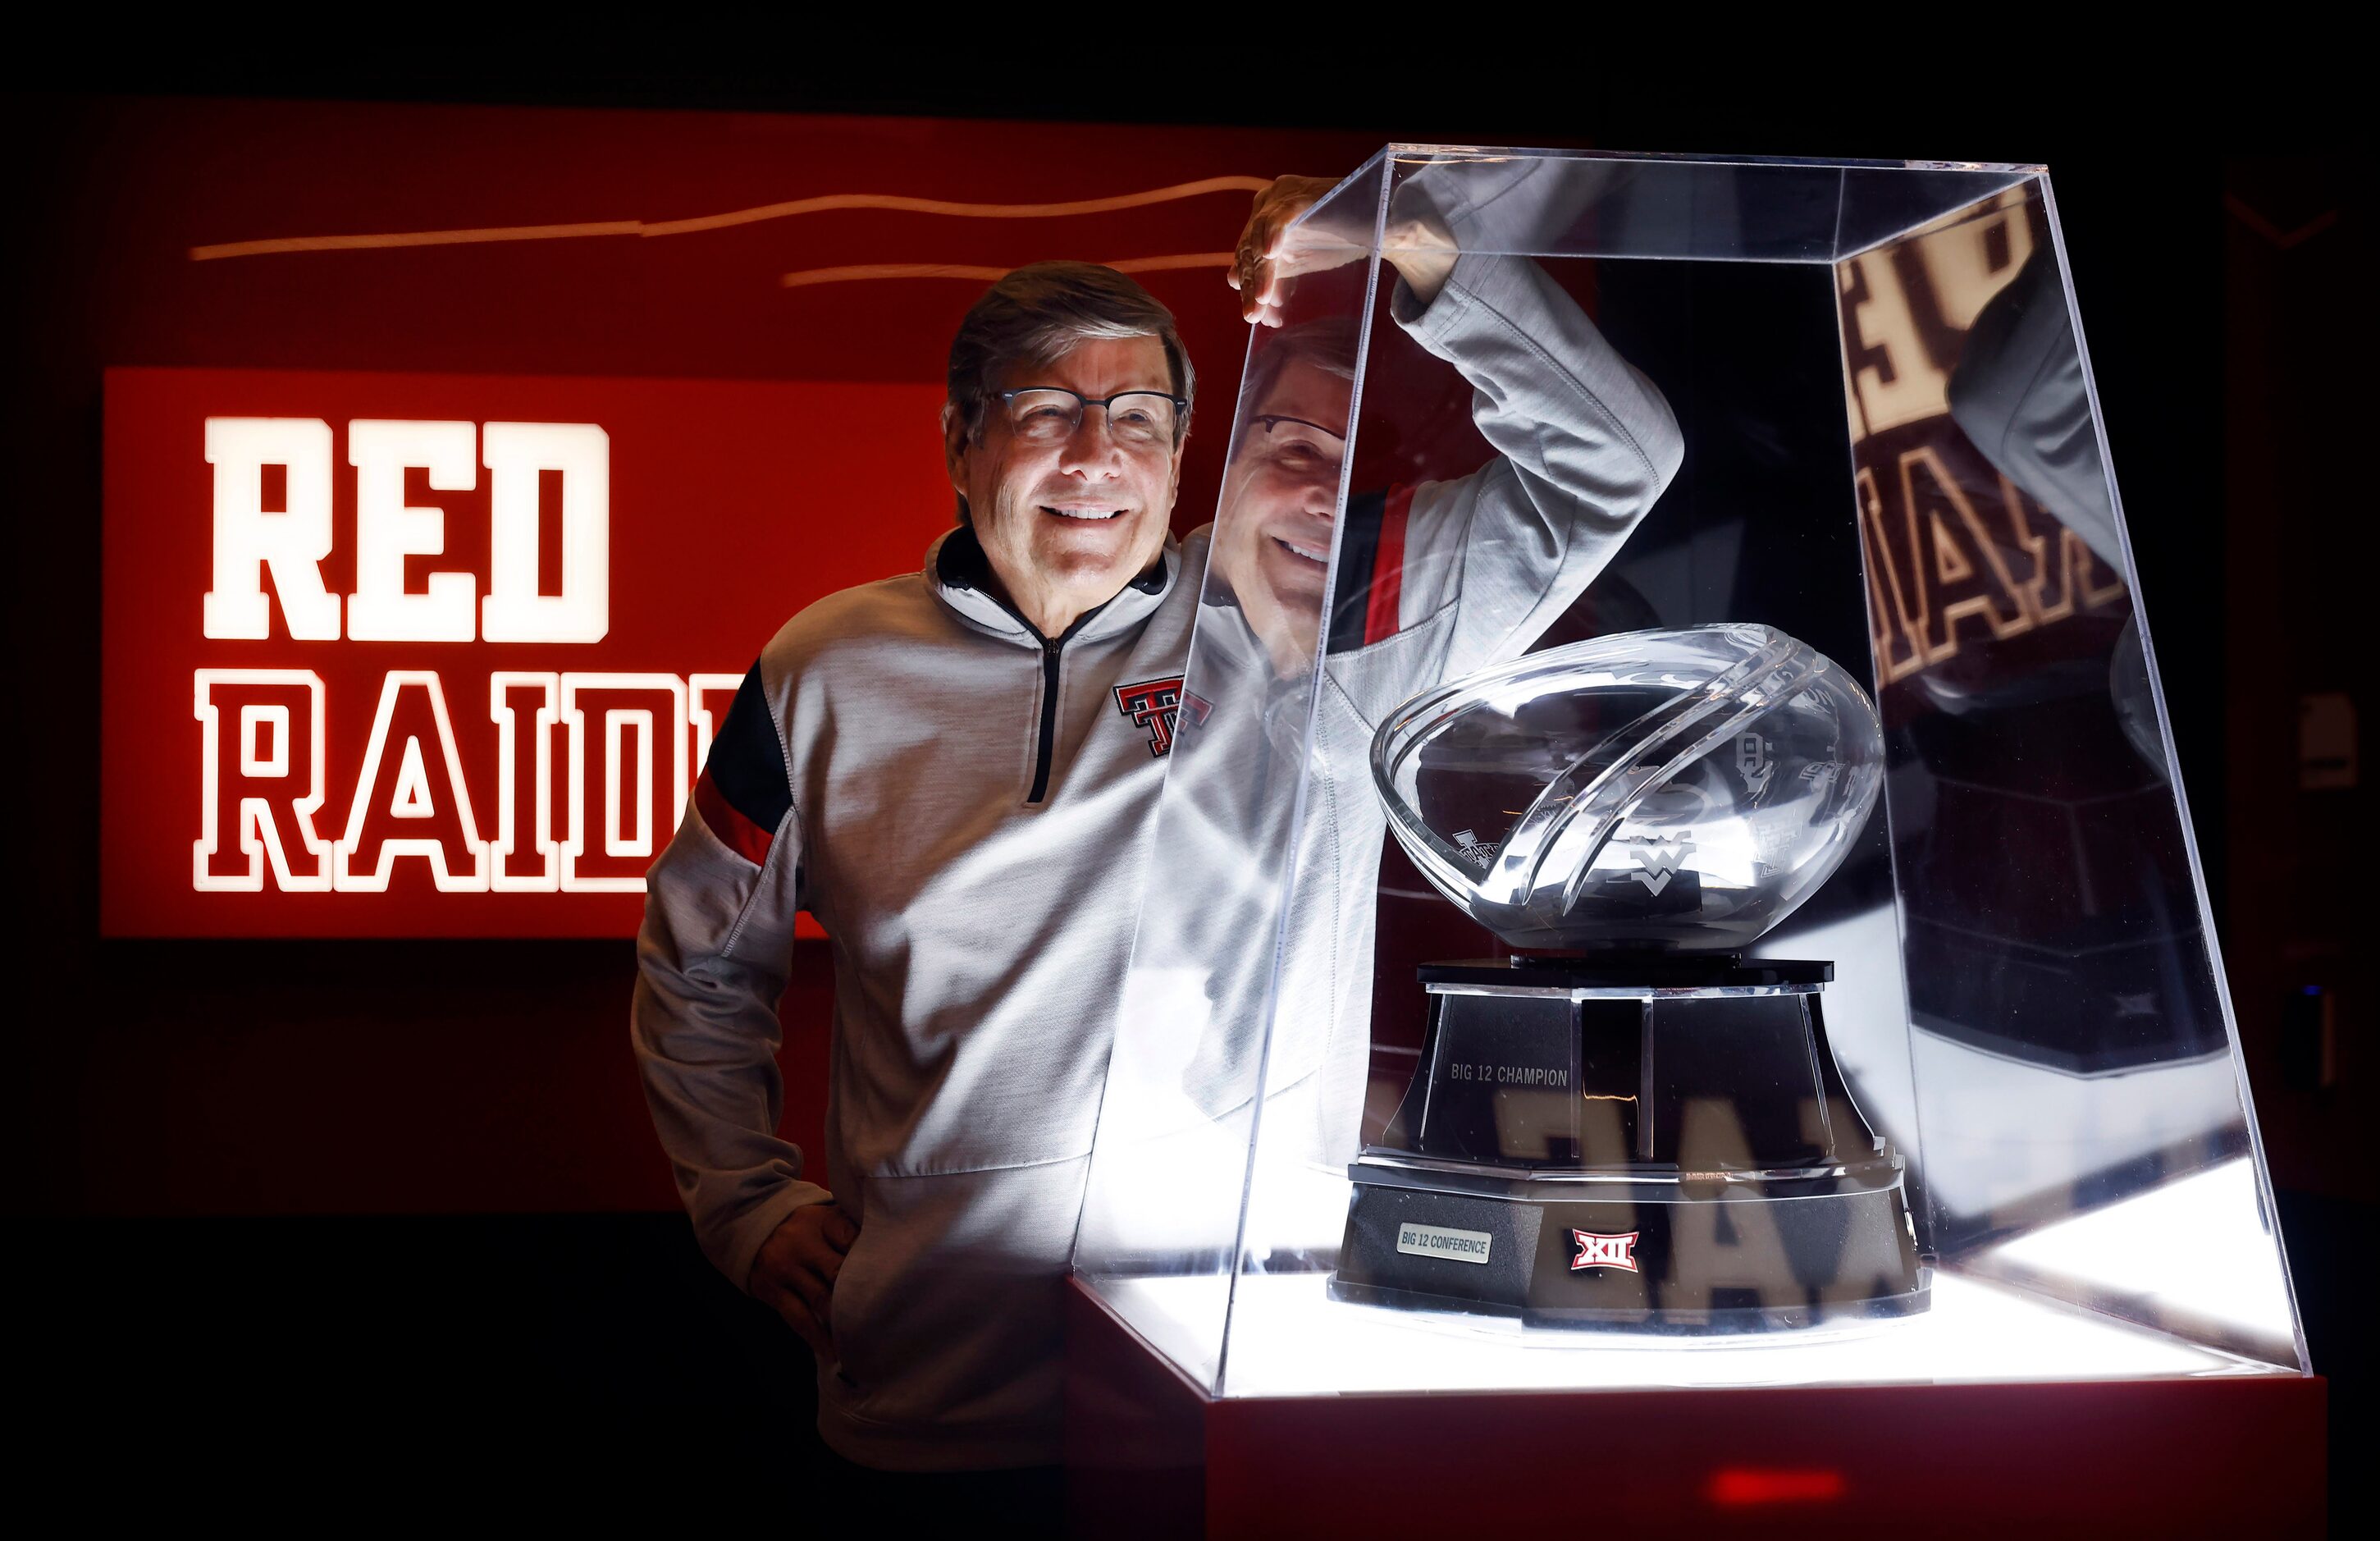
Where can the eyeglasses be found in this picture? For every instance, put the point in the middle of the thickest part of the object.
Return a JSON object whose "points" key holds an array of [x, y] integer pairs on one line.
{"points": [[1051, 414], [1299, 448], [1271, 420]]}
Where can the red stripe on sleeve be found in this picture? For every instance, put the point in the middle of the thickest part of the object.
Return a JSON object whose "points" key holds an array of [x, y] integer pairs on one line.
{"points": [[736, 833], [1388, 569]]}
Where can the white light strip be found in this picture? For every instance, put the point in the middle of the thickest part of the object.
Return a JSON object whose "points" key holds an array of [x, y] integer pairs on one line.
{"points": [[1289, 1339]]}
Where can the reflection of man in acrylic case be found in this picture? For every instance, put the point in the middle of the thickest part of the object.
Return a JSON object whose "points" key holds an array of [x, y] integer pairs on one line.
{"points": [[1435, 581], [955, 771]]}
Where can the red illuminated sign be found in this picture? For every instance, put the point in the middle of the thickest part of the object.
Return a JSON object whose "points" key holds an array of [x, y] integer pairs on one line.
{"points": [[421, 655]]}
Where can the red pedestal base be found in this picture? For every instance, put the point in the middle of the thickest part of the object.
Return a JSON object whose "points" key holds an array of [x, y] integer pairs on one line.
{"points": [[1151, 1454]]}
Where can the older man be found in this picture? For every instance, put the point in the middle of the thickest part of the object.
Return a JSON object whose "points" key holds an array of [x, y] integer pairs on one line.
{"points": [[957, 771]]}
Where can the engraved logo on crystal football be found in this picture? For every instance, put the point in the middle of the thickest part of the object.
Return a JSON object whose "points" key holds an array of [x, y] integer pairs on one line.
{"points": [[1474, 849], [1596, 1250], [1658, 860], [1752, 762]]}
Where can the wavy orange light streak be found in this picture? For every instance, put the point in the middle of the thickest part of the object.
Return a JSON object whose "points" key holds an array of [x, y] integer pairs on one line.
{"points": [[828, 204], [859, 272]]}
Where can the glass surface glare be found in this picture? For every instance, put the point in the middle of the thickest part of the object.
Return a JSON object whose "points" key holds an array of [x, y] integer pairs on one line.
{"points": [[1893, 481]]}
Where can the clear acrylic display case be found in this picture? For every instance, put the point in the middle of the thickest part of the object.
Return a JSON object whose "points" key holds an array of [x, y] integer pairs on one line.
{"points": [[1886, 445]]}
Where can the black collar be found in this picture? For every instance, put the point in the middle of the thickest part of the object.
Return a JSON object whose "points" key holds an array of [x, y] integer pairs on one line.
{"points": [[961, 563]]}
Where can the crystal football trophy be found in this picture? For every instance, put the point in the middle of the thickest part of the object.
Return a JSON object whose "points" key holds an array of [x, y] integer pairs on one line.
{"points": [[1627, 1122]]}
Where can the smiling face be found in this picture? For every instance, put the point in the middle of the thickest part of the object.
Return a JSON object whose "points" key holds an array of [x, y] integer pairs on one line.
{"points": [[1273, 537], [1067, 521]]}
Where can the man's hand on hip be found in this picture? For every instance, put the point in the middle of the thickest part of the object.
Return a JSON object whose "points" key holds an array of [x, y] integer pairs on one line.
{"points": [[794, 1272]]}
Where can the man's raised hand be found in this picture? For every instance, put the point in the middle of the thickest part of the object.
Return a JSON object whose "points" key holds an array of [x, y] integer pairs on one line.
{"points": [[1272, 253]]}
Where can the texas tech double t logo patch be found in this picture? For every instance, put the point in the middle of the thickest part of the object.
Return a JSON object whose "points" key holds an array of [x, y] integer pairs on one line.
{"points": [[1152, 703]]}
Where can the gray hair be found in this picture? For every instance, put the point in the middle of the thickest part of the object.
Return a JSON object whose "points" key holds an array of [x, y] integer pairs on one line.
{"points": [[1326, 343], [1037, 314]]}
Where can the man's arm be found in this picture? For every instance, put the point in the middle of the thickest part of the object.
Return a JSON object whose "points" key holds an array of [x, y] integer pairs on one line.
{"points": [[1584, 446], [2021, 396], [1451, 576], [711, 960]]}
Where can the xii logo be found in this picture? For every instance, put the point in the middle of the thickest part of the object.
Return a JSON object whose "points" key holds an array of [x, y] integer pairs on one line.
{"points": [[1153, 704], [1596, 1250]]}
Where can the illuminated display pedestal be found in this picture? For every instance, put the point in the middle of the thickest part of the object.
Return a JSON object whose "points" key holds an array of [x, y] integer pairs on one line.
{"points": [[2011, 1409], [1978, 1332]]}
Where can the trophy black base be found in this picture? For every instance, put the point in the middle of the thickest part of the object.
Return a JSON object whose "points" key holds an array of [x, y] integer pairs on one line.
{"points": [[1655, 1144]]}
